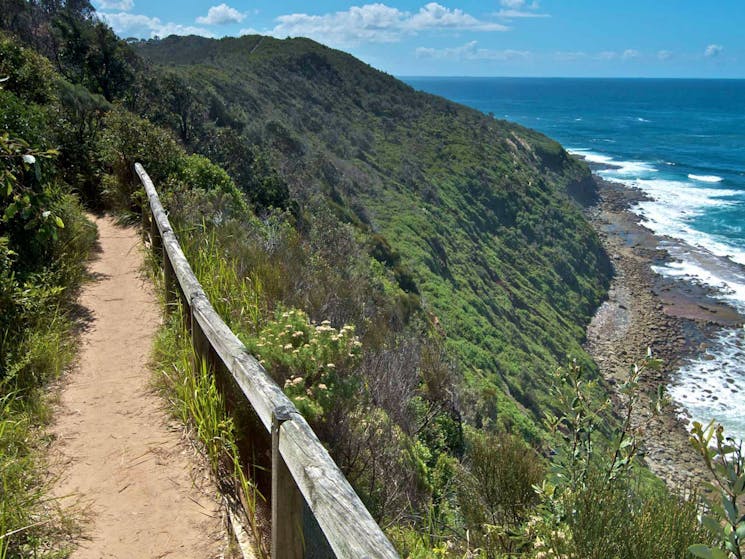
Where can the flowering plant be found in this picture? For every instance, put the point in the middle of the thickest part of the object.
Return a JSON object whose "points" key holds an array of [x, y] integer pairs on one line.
{"points": [[311, 361]]}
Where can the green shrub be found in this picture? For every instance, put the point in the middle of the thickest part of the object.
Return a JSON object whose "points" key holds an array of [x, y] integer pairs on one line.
{"points": [[620, 520], [29, 74], [725, 461], [496, 490], [198, 172], [314, 362], [594, 503], [126, 140]]}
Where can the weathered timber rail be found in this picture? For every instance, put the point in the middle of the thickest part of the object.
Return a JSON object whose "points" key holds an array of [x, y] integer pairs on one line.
{"points": [[304, 479]]}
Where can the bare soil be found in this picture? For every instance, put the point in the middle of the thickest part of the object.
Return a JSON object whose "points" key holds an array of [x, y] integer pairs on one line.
{"points": [[144, 489]]}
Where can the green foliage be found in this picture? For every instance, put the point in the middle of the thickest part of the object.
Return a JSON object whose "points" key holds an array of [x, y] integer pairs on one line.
{"points": [[726, 462], [184, 106], [385, 408], [594, 505], [483, 227], [78, 133], [314, 362], [126, 140], [198, 172], [25, 201], [496, 491], [27, 74], [583, 412], [90, 53], [265, 188], [619, 519]]}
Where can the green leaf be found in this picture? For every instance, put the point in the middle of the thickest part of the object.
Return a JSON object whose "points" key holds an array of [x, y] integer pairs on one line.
{"points": [[740, 484], [712, 525], [729, 508], [59, 222], [706, 552]]}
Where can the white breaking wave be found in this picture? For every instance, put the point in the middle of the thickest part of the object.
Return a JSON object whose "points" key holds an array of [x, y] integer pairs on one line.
{"points": [[705, 178], [703, 267], [673, 206], [673, 203], [709, 386], [626, 168]]}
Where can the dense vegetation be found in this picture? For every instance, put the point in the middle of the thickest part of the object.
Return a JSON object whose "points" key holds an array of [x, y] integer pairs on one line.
{"points": [[44, 242], [483, 230], [411, 271]]}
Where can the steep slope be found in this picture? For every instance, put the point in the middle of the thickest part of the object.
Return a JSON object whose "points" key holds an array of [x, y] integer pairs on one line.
{"points": [[482, 214]]}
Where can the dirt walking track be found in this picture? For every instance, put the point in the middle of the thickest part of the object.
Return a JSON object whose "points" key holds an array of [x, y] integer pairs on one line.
{"points": [[140, 484]]}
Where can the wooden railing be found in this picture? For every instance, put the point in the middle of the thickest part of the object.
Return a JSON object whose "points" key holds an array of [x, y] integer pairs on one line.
{"points": [[305, 481]]}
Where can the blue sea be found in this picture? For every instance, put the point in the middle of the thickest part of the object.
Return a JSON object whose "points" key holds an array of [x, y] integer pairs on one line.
{"points": [[683, 143]]}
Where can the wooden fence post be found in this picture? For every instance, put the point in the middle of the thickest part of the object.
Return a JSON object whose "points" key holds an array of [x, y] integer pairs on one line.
{"points": [[287, 501], [157, 242], [170, 283], [146, 218], [201, 344]]}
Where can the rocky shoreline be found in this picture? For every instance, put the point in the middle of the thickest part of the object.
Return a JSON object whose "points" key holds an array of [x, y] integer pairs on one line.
{"points": [[645, 310]]}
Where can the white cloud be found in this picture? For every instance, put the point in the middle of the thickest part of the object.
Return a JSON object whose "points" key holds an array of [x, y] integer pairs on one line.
{"points": [[137, 25], [607, 55], [713, 50], [470, 51], [512, 14], [630, 54], [222, 14], [519, 8], [569, 56], [248, 31], [123, 5], [378, 23], [435, 16], [664, 54], [375, 23]]}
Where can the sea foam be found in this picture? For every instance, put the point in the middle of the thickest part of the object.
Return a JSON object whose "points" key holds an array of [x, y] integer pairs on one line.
{"points": [[615, 167], [705, 178], [710, 387]]}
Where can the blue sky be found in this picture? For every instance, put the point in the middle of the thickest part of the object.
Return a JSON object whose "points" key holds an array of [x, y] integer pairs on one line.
{"points": [[624, 38]]}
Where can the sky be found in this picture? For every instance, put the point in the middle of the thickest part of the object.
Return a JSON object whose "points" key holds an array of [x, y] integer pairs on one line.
{"points": [[543, 38]]}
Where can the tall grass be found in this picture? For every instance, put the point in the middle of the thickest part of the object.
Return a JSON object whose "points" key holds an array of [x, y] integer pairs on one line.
{"points": [[37, 343], [629, 522], [29, 523], [239, 299]]}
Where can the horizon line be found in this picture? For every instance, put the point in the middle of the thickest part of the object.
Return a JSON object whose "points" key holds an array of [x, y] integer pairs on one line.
{"points": [[481, 76]]}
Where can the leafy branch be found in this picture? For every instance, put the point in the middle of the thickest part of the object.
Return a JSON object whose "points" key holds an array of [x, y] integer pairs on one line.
{"points": [[726, 462]]}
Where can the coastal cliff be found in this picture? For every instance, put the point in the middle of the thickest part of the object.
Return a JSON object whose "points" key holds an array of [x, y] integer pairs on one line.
{"points": [[483, 216], [412, 272]]}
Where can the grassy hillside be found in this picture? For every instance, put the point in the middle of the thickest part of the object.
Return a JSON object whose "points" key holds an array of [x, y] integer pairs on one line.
{"points": [[409, 270], [474, 214]]}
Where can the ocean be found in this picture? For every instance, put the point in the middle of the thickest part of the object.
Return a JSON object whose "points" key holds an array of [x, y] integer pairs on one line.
{"points": [[683, 143]]}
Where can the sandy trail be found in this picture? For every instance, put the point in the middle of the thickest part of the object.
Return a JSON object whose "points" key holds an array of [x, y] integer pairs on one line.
{"points": [[143, 487]]}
